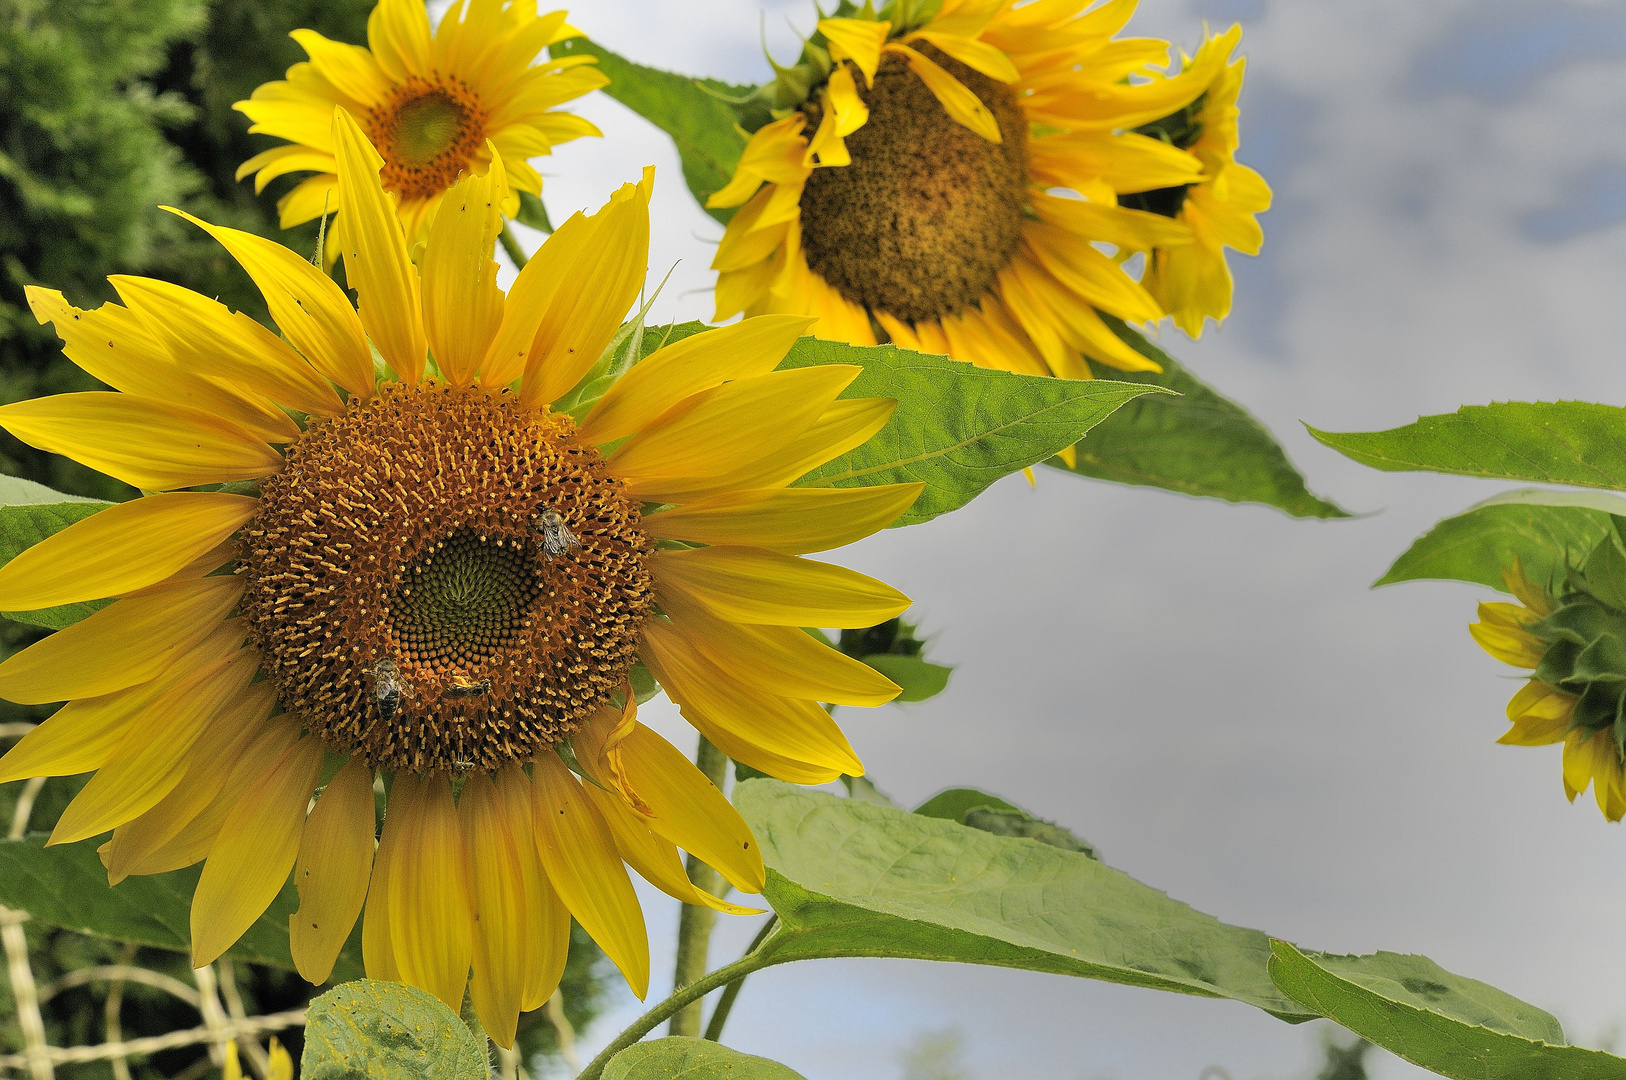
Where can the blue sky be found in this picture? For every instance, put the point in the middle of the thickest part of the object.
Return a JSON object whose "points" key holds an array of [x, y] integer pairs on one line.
{"points": [[1210, 693]]}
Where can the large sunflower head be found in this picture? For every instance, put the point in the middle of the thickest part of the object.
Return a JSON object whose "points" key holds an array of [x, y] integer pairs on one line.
{"points": [[1191, 281], [1573, 635], [398, 549], [435, 105], [940, 176]]}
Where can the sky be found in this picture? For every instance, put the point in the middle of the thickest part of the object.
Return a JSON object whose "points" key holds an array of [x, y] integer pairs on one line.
{"points": [[1212, 694]]}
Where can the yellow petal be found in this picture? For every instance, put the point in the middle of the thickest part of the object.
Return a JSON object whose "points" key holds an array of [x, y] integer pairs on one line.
{"points": [[462, 305], [841, 98], [517, 916], [125, 547], [251, 858], [377, 950], [528, 298], [689, 811], [653, 857], [826, 148], [331, 874], [858, 40], [581, 860], [431, 928], [774, 154], [700, 362], [83, 734], [599, 286], [794, 521], [782, 660], [974, 54], [145, 442], [963, 107], [350, 68], [791, 728], [729, 427], [752, 586], [308, 306], [210, 762], [1577, 761], [155, 752], [1516, 647], [398, 35], [125, 643], [788, 769], [375, 253], [1537, 700]]}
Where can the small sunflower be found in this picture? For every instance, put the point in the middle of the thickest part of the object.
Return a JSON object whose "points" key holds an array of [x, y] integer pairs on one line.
{"points": [[915, 187], [376, 559], [1191, 281], [434, 106], [1574, 639]]}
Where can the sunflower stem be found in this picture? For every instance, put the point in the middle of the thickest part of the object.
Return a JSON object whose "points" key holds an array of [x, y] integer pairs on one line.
{"points": [[725, 1004], [739, 969], [510, 244], [695, 923]]}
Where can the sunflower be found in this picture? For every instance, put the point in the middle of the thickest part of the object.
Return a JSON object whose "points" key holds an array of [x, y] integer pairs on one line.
{"points": [[414, 575], [942, 182], [434, 106], [1576, 643], [1191, 281]]}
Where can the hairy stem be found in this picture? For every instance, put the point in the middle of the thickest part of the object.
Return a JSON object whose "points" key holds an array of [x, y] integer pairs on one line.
{"points": [[693, 992], [695, 923], [510, 244], [725, 1004]]}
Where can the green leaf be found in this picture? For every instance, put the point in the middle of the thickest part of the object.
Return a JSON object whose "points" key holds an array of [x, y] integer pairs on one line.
{"points": [[849, 878], [678, 1058], [26, 518], [704, 128], [1560, 442], [1197, 444], [533, 213], [371, 1030], [66, 886], [990, 813], [1453, 1026], [957, 427], [919, 678], [1544, 530]]}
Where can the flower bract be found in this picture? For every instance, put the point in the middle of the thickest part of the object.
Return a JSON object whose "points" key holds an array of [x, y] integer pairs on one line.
{"points": [[394, 554]]}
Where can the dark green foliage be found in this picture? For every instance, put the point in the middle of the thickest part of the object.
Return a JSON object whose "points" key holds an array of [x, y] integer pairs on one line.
{"points": [[1344, 1062], [892, 649]]}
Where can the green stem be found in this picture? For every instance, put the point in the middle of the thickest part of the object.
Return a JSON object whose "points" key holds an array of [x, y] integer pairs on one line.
{"points": [[695, 923], [510, 244], [646, 1023], [725, 1004]]}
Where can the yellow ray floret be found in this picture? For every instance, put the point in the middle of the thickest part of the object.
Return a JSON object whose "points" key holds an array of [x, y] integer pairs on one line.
{"points": [[266, 659]]}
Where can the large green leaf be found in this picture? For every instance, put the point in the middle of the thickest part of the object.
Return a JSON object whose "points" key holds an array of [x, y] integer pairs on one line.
{"points": [[678, 1058], [919, 677], [1199, 443], [67, 886], [1453, 1026], [23, 526], [704, 127], [850, 878], [990, 813], [370, 1030], [1560, 442], [957, 427], [1544, 530]]}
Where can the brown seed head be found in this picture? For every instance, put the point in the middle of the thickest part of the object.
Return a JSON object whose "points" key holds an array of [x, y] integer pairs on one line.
{"points": [[404, 530], [929, 212]]}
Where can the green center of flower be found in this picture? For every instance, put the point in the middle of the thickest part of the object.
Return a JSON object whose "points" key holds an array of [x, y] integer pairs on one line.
{"points": [[465, 598], [929, 212], [427, 133], [444, 578]]}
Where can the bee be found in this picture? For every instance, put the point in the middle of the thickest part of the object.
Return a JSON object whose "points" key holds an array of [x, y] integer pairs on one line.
{"points": [[462, 686], [556, 537], [389, 687], [463, 766]]}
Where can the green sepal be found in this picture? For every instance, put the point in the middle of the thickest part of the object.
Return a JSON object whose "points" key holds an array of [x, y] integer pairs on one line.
{"points": [[533, 213]]}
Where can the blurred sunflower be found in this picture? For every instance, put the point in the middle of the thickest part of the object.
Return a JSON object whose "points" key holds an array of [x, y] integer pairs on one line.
{"points": [[434, 106], [909, 191], [445, 584], [1191, 281], [1574, 638]]}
